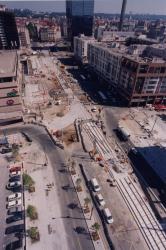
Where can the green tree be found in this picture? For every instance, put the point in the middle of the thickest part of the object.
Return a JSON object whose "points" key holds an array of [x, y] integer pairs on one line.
{"points": [[96, 227], [87, 201], [32, 212]]}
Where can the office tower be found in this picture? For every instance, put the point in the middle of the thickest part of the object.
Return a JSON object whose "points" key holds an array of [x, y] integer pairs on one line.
{"points": [[79, 15], [8, 30], [124, 3]]}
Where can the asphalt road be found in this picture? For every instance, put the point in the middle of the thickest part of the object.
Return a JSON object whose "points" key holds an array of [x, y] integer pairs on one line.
{"points": [[138, 162], [72, 218]]}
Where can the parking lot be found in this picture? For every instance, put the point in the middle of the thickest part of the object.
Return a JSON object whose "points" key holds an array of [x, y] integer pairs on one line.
{"points": [[11, 202]]}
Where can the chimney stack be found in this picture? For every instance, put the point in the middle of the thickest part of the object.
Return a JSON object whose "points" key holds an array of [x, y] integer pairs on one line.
{"points": [[124, 3]]}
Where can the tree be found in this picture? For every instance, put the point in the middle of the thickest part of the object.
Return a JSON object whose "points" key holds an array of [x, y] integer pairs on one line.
{"points": [[28, 182], [32, 212], [73, 165], [78, 183], [87, 201], [34, 234], [86, 205], [96, 227]]}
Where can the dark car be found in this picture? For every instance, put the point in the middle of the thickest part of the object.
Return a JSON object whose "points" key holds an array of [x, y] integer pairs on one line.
{"points": [[14, 210], [6, 150], [28, 139], [59, 145], [15, 178], [14, 185], [14, 218], [14, 229], [14, 245]]}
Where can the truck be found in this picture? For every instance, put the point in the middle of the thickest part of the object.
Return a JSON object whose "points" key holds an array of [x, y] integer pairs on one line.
{"points": [[123, 133]]}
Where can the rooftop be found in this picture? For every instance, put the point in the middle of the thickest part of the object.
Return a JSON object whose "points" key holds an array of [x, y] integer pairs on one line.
{"points": [[8, 63]]}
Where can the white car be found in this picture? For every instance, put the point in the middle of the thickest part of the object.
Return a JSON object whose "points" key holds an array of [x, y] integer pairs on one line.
{"points": [[95, 185], [15, 196], [108, 216], [100, 200], [94, 109], [14, 203], [15, 173]]}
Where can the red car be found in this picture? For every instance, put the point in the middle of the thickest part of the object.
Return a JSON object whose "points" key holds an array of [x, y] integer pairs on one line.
{"points": [[14, 169]]}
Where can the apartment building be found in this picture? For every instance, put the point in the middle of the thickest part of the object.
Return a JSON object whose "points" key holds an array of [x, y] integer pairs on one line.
{"points": [[8, 30], [10, 103], [49, 34], [24, 36], [105, 60], [142, 80], [81, 47], [139, 80]]}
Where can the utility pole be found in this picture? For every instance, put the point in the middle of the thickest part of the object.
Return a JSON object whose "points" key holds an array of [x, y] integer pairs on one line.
{"points": [[153, 125], [91, 212], [46, 160]]}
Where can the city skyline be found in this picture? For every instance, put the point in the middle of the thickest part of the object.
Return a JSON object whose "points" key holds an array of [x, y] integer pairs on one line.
{"points": [[105, 6]]}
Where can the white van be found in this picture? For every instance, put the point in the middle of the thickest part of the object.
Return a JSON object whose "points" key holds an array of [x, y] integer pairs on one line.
{"points": [[95, 185], [14, 203], [100, 200], [108, 216], [13, 197]]}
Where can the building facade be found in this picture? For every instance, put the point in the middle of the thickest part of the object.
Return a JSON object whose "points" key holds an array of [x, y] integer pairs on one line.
{"points": [[79, 18], [81, 47], [10, 102], [105, 62], [139, 80], [142, 81], [49, 34], [24, 36], [8, 31]]}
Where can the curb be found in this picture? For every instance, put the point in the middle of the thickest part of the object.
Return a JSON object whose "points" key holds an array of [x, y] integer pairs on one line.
{"points": [[82, 211], [109, 241]]}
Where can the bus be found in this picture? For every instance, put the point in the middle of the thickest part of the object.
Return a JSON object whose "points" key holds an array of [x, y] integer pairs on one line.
{"points": [[123, 134], [83, 77], [104, 98]]}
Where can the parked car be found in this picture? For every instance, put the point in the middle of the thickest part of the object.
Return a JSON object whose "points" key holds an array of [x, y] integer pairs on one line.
{"points": [[14, 203], [15, 178], [14, 218], [60, 145], [14, 169], [14, 229], [12, 185], [108, 216], [95, 185], [134, 150], [15, 245], [15, 196], [28, 139], [15, 210], [6, 150], [15, 173], [94, 109], [100, 200]]}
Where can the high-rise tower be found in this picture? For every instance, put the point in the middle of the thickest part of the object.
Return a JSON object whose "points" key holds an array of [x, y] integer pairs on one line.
{"points": [[8, 30], [79, 15], [124, 3]]}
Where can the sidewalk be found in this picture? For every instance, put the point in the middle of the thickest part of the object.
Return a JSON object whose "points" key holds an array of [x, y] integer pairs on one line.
{"points": [[51, 236], [90, 217], [76, 111]]}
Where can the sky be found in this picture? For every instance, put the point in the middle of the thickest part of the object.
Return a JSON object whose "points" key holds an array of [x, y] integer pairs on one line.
{"points": [[105, 6]]}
